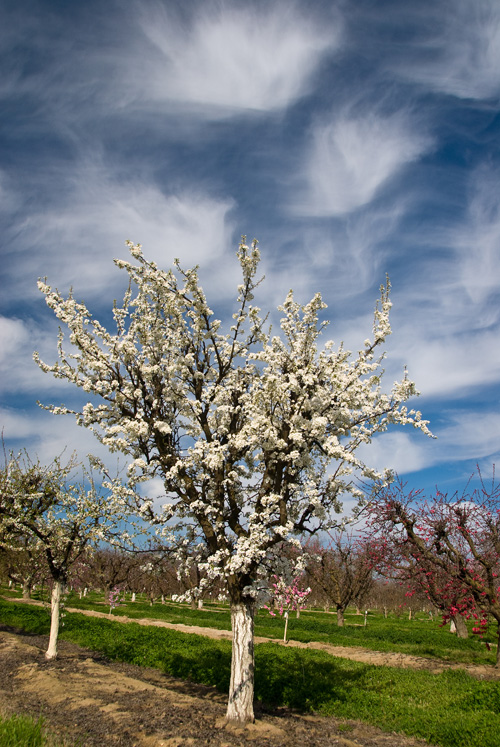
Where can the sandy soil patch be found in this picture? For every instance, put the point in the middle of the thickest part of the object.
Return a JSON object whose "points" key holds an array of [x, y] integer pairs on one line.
{"points": [[87, 698]]}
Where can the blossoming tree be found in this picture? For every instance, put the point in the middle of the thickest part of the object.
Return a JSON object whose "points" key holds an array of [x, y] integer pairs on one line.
{"points": [[448, 547], [61, 520], [253, 435], [286, 598]]}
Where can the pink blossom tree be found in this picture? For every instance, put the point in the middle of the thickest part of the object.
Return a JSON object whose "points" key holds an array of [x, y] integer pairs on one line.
{"points": [[445, 546], [286, 598]]}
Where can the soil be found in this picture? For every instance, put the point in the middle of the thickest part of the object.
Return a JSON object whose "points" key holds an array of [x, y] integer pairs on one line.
{"points": [[94, 702]]}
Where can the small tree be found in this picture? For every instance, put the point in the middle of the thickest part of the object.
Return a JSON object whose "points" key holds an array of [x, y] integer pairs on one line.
{"points": [[253, 435], [23, 561], [286, 598], [110, 567], [448, 547], [61, 518], [340, 571]]}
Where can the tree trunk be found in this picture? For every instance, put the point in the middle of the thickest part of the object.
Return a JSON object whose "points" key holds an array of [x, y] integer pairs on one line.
{"points": [[26, 590], [200, 604], [240, 704], [497, 662], [286, 627], [460, 627], [55, 604], [340, 617]]}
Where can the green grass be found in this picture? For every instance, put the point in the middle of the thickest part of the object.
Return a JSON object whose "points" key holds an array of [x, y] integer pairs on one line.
{"points": [[451, 709], [418, 637], [24, 731]]}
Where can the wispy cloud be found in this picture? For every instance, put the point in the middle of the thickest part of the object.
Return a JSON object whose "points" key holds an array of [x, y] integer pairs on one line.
{"points": [[451, 366], [477, 240], [230, 58], [457, 50], [45, 436], [465, 436], [74, 240], [351, 156], [399, 452]]}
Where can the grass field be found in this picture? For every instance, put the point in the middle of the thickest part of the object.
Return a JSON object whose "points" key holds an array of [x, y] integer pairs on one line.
{"points": [[23, 731], [417, 637], [449, 709]]}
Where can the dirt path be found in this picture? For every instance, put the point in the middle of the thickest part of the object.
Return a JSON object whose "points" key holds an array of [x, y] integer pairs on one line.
{"points": [[93, 702], [355, 653]]}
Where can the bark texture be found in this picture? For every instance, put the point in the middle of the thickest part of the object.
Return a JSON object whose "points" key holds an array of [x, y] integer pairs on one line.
{"points": [[241, 688], [460, 626], [340, 617], [55, 605]]}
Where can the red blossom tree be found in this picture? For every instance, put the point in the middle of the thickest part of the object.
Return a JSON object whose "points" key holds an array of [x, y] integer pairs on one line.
{"points": [[447, 547]]}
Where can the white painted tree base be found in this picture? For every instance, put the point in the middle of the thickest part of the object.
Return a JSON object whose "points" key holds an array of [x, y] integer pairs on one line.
{"points": [[55, 605], [241, 688]]}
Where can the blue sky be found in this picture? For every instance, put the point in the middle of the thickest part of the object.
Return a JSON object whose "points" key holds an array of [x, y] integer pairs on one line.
{"points": [[351, 138]]}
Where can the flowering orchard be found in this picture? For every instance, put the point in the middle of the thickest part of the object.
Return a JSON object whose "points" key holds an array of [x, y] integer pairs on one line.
{"points": [[254, 436], [447, 547], [59, 520]]}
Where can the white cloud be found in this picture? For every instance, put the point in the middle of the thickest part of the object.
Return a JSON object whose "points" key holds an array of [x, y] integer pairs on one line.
{"points": [[466, 436], [471, 435], [232, 58], [352, 156], [445, 366], [477, 239], [18, 372], [76, 240], [46, 436], [398, 451], [460, 54]]}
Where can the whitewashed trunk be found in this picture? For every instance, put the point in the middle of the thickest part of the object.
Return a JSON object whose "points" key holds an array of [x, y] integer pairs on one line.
{"points": [[200, 604], [55, 605], [133, 596], [240, 703]]}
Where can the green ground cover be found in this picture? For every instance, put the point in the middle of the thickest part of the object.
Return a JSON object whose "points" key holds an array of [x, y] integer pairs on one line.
{"points": [[417, 637], [24, 731], [451, 709]]}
